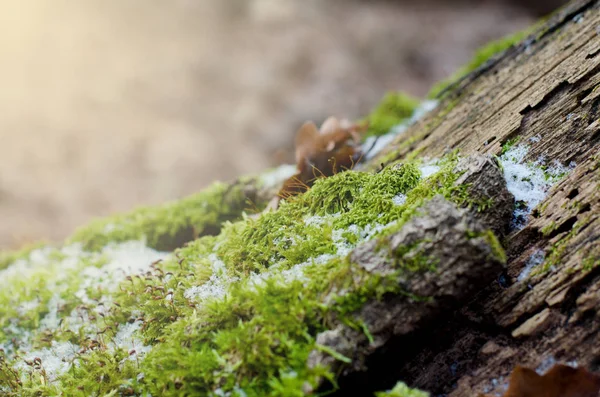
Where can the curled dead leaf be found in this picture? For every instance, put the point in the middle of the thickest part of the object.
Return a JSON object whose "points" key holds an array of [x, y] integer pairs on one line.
{"points": [[333, 148], [559, 381]]}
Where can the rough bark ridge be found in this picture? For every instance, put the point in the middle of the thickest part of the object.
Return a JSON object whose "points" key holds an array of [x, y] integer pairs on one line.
{"points": [[445, 234], [546, 93]]}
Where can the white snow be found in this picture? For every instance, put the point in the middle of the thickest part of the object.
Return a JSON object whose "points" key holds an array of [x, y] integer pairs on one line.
{"points": [[429, 168], [25, 307], [425, 107], [127, 339], [316, 220], [376, 144], [527, 181], [55, 360], [109, 267], [343, 248], [124, 259], [399, 199], [216, 286], [537, 258], [277, 176], [550, 362], [22, 267], [51, 320]]}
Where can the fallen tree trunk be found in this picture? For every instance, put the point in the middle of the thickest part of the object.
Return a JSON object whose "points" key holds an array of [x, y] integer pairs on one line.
{"points": [[543, 93], [368, 278]]}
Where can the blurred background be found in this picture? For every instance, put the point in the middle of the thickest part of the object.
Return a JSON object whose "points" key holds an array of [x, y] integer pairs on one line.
{"points": [[110, 104]]}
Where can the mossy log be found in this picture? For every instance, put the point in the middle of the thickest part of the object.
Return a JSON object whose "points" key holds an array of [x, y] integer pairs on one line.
{"points": [[413, 271], [543, 92]]}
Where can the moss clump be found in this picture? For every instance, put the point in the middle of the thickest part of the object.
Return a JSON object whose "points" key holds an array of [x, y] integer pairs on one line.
{"points": [[394, 108], [8, 257], [401, 390], [170, 225], [549, 228], [234, 313], [591, 261], [481, 56], [558, 250], [491, 241]]}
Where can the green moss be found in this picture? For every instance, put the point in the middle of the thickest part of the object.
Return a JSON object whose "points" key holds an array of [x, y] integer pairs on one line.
{"points": [[8, 257], [394, 108], [272, 284], [481, 56], [401, 390], [509, 144], [549, 228], [406, 143], [168, 226], [591, 261], [559, 249], [497, 251]]}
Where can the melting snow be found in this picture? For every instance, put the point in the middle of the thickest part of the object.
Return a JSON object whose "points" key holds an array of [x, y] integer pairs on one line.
{"points": [[315, 220], [376, 144], [527, 181], [27, 306], [126, 339], [216, 286], [277, 176], [55, 360], [429, 168], [534, 260], [125, 259], [399, 199], [121, 260]]}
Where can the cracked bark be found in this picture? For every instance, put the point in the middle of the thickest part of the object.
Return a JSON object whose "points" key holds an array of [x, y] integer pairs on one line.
{"points": [[546, 88]]}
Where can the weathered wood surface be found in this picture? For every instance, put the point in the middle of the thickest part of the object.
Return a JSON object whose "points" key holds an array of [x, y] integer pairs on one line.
{"points": [[546, 91]]}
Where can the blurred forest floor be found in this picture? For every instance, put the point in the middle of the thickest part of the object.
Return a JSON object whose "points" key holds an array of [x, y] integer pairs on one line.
{"points": [[105, 105]]}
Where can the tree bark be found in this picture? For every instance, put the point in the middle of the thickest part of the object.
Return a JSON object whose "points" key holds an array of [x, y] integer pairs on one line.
{"points": [[546, 92]]}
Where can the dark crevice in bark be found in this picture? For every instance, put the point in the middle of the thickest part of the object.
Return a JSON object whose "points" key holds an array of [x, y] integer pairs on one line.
{"points": [[567, 14], [556, 91], [564, 227]]}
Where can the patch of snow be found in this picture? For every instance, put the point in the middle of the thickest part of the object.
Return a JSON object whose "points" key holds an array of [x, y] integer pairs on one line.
{"points": [[51, 320], [534, 260], [376, 144], [527, 181], [16, 338], [315, 220], [425, 107], [497, 385], [41, 259], [109, 228], [22, 267], [55, 360], [399, 199], [372, 230], [343, 248], [216, 286], [67, 270], [276, 177], [429, 168], [124, 259], [28, 306], [126, 338], [550, 362], [545, 365]]}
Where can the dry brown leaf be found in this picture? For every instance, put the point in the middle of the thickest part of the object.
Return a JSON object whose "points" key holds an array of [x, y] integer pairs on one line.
{"points": [[560, 381], [323, 152]]}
